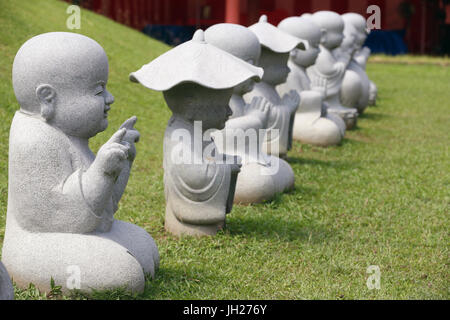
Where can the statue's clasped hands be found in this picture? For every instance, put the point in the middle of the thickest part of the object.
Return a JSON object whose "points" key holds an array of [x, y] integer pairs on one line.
{"points": [[260, 107]]}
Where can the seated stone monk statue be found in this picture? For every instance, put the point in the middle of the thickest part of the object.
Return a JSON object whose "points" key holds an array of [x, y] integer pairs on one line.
{"points": [[275, 48], [355, 85], [6, 288], [312, 124], [361, 55], [261, 176], [197, 80], [62, 198], [328, 69]]}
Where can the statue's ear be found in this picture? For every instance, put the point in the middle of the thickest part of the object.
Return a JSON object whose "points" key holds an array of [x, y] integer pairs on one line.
{"points": [[46, 95], [323, 35]]}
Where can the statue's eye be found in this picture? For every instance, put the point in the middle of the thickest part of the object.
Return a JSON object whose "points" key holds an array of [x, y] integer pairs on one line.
{"points": [[99, 90]]}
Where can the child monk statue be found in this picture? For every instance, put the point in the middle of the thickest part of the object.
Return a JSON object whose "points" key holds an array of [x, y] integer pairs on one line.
{"points": [[355, 87], [197, 80], [262, 176], [62, 198], [356, 28], [313, 123], [329, 69], [275, 48]]}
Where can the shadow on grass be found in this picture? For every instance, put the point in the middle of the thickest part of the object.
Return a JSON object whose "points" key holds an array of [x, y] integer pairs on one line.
{"points": [[373, 116], [267, 228], [339, 164], [179, 283]]}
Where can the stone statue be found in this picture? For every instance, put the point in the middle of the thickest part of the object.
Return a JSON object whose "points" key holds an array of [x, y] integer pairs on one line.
{"points": [[261, 175], [6, 287], [361, 54], [355, 85], [197, 80], [275, 48], [312, 124], [61, 197], [328, 70]]}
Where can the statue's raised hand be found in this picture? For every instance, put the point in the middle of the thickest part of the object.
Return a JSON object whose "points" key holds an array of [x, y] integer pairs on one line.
{"points": [[260, 107], [340, 67], [131, 136], [111, 157], [291, 99]]}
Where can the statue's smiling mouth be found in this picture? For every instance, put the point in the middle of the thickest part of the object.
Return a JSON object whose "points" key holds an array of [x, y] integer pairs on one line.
{"points": [[105, 112]]}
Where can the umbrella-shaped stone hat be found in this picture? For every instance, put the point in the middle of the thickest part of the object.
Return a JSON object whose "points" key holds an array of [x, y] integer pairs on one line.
{"points": [[198, 62], [274, 39]]}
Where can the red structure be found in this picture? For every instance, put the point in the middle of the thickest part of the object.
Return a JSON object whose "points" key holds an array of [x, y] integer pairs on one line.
{"points": [[417, 17]]}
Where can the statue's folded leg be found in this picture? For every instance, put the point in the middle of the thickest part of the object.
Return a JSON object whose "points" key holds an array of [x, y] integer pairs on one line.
{"points": [[282, 174], [140, 244], [373, 92], [253, 186], [320, 132], [70, 259], [339, 122]]}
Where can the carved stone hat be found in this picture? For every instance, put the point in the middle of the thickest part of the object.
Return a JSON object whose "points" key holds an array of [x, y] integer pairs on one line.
{"points": [[274, 39], [198, 62]]}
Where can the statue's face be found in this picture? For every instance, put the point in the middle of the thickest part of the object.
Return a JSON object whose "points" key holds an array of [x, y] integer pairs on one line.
{"points": [[215, 109], [194, 102], [82, 104], [332, 38], [360, 38], [275, 66]]}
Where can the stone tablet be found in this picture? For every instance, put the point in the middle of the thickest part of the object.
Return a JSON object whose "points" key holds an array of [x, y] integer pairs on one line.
{"points": [[6, 287], [313, 123], [262, 176], [62, 198], [328, 70], [197, 80]]}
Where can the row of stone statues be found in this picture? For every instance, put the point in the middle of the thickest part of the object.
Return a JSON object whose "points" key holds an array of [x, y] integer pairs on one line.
{"points": [[238, 97]]}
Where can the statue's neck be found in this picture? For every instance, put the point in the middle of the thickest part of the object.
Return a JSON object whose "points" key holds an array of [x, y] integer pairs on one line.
{"points": [[300, 76], [181, 122], [81, 143], [295, 67], [268, 91], [326, 55]]}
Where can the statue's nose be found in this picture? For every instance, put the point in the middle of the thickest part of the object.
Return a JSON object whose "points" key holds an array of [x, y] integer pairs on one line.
{"points": [[109, 98], [229, 111]]}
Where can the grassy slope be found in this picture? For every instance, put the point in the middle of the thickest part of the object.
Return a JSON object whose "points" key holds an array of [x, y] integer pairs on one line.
{"points": [[381, 198]]}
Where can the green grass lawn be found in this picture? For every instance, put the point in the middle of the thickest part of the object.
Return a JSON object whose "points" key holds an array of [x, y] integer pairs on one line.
{"points": [[381, 198]]}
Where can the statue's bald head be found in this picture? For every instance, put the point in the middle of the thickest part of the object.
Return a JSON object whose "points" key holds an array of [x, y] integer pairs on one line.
{"points": [[332, 25], [329, 20], [63, 60]]}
